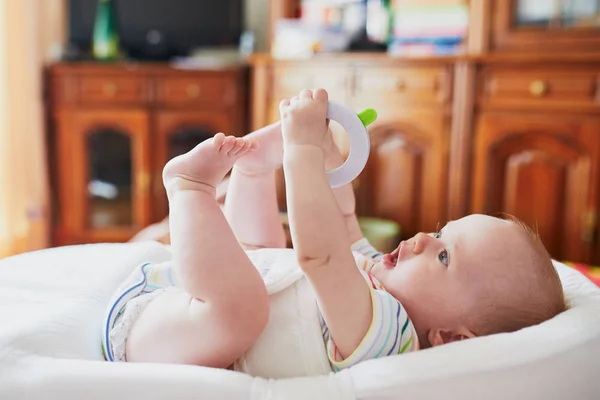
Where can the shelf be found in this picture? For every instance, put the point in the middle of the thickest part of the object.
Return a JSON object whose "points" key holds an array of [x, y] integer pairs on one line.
{"points": [[383, 58]]}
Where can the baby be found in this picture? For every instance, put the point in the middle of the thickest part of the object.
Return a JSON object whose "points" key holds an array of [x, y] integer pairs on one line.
{"points": [[216, 304]]}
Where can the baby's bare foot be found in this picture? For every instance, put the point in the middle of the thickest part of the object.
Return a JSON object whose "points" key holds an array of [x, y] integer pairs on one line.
{"points": [[269, 154], [205, 165]]}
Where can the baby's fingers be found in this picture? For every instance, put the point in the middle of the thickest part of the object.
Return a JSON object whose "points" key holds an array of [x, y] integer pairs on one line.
{"points": [[321, 94], [306, 94], [284, 104]]}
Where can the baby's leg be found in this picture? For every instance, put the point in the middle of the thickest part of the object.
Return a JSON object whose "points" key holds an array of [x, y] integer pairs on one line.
{"points": [[251, 203], [225, 305]]}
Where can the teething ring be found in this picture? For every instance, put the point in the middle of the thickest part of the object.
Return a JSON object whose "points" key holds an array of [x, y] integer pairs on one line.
{"points": [[359, 145]]}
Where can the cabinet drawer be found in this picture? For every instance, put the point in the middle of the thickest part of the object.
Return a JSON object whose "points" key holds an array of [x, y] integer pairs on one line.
{"points": [[540, 87], [214, 90], [415, 85], [111, 89], [290, 81]]}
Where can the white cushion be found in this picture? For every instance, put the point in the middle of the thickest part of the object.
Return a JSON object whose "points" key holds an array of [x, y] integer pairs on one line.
{"points": [[52, 302]]}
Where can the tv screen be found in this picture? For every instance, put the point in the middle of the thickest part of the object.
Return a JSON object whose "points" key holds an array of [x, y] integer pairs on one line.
{"points": [[161, 29]]}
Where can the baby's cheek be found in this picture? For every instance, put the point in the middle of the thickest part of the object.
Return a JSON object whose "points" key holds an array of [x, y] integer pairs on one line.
{"points": [[402, 282], [408, 273]]}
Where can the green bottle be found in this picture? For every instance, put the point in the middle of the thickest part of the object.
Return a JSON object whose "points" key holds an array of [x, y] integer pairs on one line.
{"points": [[105, 45]]}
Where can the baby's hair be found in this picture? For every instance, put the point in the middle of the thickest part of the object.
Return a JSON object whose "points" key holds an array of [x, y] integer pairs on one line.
{"points": [[537, 299]]}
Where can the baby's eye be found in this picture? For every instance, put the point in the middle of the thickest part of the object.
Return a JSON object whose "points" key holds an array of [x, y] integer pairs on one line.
{"points": [[437, 234], [443, 257]]}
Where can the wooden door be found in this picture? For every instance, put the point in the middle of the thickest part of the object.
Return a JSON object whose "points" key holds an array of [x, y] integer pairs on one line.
{"points": [[177, 132], [544, 171], [406, 178], [104, 175]]}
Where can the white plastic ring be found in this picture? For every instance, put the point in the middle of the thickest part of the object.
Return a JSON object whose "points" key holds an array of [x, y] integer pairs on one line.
{"points": [[360, 145]]}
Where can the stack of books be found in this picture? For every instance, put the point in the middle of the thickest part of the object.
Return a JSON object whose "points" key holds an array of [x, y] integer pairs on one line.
{"points": [[428, 27]]}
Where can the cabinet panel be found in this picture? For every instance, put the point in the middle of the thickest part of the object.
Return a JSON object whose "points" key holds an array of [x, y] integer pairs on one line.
{"points": [[177, 132], [406, 176], [104, 175], [544, 171]]}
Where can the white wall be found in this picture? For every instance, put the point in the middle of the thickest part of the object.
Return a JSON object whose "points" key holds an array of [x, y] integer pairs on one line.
{"points": [[23, 185]]}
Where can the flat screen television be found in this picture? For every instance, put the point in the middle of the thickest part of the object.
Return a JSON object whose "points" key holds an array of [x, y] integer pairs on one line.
{"points": [[160, 29]]}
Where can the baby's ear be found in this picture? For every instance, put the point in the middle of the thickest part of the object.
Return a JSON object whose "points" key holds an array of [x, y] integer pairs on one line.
{"points": [[437, 337]]}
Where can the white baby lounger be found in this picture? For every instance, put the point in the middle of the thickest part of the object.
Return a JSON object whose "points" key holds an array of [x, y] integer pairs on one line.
{"points": [[52, 303]]}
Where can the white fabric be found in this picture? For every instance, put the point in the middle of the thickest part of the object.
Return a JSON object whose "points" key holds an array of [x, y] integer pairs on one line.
{"points": [[300, 351], [52, 303]]}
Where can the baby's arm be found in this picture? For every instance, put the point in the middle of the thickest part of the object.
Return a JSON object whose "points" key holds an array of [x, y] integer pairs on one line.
{"points": [[318, 228], [343, 194]]}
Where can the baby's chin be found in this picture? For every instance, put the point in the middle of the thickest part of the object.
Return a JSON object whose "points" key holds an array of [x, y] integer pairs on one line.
{"points": [[379, 271]]}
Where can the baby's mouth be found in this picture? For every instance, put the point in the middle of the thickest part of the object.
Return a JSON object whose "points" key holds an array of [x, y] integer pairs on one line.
{"points": [[390, 260]]}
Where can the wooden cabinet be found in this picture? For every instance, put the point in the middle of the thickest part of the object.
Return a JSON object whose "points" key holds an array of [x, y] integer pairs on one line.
{"points": [[510, 126], [536, 152], [545, 171], [115, 126]]}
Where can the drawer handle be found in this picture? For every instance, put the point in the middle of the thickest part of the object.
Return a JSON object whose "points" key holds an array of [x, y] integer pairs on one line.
{"points": [[401, 85], [193, 91], [538, 88], [110, 89]]}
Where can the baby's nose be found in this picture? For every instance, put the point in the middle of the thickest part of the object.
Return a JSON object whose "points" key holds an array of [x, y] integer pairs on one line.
{"points": [[421, 241]]}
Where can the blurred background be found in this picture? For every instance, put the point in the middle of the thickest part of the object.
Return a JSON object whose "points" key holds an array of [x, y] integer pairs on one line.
{"points": [[487, 106]]}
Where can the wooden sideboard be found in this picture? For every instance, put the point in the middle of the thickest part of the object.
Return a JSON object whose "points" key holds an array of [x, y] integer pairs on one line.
{"points": [[511, 126], [112, 128], [504, 134]]}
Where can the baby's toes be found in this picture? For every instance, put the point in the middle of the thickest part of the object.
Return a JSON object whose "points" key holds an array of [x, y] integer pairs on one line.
{"points": [[228, 144], [240, 145], [218, 140], [248, 146]]}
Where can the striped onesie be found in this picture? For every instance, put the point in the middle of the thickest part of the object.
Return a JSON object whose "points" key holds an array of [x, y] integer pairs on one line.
{"points": [[391, 331]]}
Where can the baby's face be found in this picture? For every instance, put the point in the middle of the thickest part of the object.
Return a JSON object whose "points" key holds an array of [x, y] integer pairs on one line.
{"points": [[438, 276]]}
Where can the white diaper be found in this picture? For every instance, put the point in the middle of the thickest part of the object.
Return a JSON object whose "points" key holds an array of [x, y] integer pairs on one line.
{"points": [[117, 336]]}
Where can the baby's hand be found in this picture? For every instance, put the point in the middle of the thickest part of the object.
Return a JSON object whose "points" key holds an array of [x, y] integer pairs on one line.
{"points": [[303, 119]]}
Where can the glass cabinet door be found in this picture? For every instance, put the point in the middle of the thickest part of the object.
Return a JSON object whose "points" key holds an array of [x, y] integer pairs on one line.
{"points": [[546, 26], [562, 14], [106, 180], [110, 173]]}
